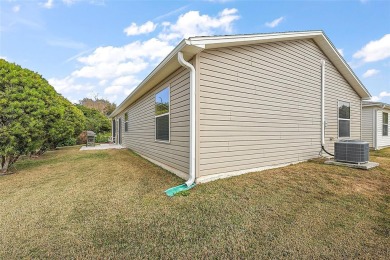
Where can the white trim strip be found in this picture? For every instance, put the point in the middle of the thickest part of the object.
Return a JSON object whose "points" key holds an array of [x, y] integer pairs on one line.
{"points": [[213, 177]]}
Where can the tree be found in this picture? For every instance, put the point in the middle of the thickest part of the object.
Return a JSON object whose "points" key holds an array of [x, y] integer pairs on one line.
{"points": [[102, 105], [64, 121], [22, 112], [95, 120], [32, 114]]}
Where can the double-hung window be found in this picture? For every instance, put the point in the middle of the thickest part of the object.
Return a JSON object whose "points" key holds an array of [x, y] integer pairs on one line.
{"points": [[385, 119], [162, 115], [126, 121], [344, 119]]}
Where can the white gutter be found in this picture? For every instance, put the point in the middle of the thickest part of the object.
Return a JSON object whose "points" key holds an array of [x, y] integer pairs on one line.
{"points": [[188, 65]]}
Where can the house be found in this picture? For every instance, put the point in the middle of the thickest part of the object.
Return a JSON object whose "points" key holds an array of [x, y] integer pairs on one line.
{"points": [[220, 106], [375, 124]]}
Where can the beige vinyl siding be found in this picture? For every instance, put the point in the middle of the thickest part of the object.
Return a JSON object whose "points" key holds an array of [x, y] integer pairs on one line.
{"points": [[383, 141], [368, 125], [141, 134], [260, 105]]}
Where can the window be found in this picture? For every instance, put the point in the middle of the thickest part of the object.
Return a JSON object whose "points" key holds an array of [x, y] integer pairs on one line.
{"points": [[127, 122], [385, 119], [344, 119], [162, 114]]}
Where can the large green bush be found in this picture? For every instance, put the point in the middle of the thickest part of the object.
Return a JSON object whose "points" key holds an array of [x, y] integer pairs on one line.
{"points": [[103, 137], [33, 116]]}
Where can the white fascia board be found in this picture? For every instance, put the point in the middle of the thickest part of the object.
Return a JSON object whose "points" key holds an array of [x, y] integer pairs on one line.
{"points": [[231, 40], [330, 50]]}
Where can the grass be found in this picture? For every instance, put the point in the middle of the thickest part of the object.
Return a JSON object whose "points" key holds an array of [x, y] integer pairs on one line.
{"points": [[111, 204]]}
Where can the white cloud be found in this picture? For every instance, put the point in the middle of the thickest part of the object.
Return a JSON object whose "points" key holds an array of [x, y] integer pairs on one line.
{"points": [[67, 85], [133, 29], [110, 70], [127, 91], [375, 50], [384, 94], [103, 82], [275, 22], [118, 90], [16, 8], [370, 73], [193, 23], [111, 62], [113, 90], [341, 51], [48, 4], [4, 58], [153, 49], [380, 96], [126, 80], [115, 71]]}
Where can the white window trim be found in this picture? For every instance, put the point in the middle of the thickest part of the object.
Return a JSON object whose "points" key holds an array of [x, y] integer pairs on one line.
{"points": [[169, 116], [383, 124], [338, 120], [126, 122], [117, 130]]}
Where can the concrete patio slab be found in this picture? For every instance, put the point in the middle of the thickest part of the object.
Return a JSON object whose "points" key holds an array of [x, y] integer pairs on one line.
{"points": [[101, 147], [363, 166]]}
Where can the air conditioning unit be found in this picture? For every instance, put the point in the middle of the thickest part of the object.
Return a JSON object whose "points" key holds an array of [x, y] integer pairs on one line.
{"points": [[351, 151]]}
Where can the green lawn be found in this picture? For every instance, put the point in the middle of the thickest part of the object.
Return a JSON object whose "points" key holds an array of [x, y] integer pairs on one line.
{"points": [[111, 204]]}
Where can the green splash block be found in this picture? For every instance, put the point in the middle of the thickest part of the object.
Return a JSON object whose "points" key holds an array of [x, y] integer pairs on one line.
{"points": [[172, 191]]}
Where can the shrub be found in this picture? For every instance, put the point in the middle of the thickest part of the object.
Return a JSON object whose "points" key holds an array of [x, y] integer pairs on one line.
{"points": [[68, 142], [33, 116], [102, 137]]}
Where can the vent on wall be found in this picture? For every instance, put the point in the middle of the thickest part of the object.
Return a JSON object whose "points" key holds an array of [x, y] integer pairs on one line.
{"points": [[352, 151]]}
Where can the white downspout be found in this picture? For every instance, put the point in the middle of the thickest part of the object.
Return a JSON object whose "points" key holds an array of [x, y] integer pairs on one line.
{"points": [[188, 65], [323, 122], [322, 103], [375, 133]]}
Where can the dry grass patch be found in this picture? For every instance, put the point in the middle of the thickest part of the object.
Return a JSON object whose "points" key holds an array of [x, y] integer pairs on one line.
{"points": [[110, 204]]}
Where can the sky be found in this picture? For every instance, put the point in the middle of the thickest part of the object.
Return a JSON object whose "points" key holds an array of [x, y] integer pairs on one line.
{"points": [[102, 48]]}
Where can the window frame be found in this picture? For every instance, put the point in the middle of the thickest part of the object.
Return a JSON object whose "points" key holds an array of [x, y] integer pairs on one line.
{"points": [[126, 121], [383, 123], [338, 120], [169, 116]]}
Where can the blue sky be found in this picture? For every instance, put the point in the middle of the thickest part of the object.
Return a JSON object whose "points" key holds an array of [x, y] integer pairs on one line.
{"points": [[105, 48]]}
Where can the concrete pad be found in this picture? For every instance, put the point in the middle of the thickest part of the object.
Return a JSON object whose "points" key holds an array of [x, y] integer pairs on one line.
{"points": [[363, 166], [101, 147]]}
